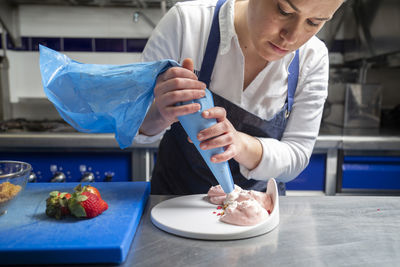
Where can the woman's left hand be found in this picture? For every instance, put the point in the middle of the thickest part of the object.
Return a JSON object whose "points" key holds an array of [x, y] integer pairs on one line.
{"points": [[245, 149], [221, 134]]}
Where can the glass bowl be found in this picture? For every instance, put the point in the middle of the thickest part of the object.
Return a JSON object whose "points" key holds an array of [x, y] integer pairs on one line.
{"points": [[13, 178]]}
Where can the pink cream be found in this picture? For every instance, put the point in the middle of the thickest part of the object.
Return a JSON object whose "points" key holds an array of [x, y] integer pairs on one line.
{"points": [[242, 207]]}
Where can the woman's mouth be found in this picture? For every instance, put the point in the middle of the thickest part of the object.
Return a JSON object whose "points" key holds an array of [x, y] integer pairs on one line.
{"points": [[278, 49]]}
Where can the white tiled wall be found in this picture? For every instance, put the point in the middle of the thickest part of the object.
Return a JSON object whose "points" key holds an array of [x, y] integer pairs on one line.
{"points": [[79, 21], [72, 21]]}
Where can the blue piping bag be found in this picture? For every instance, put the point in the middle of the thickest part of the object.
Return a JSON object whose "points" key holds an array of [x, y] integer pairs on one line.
{"points": [[193, 123], [97, 98], [100, 98]]}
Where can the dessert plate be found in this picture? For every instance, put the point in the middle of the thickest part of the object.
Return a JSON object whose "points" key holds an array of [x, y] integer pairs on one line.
{"points": [[193, 216]]}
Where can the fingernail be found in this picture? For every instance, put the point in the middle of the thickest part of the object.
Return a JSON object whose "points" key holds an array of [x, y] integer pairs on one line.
{"points": [[206, 113], [200, 137], [202, 146], [213, 159]]}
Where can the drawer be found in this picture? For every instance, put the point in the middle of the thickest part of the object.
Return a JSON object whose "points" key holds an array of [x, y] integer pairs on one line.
{"points": [[371, 172]]}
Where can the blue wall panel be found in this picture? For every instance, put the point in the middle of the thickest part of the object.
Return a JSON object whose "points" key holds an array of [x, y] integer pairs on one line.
{"points": [[313, 176]]}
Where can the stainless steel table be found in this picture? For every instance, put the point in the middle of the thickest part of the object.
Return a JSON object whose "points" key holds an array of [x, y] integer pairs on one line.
{"points": [[313, 231]]}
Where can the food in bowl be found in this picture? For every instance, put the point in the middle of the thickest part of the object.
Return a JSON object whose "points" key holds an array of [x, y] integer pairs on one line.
{"points": [[13, 178], [8, 191]]}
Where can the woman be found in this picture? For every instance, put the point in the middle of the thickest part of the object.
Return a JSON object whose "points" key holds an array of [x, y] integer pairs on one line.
{"points": [[268, 74]]}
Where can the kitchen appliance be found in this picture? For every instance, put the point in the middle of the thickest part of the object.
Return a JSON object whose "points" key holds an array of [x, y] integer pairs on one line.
{"points": [[28, 236], [363, 106]]}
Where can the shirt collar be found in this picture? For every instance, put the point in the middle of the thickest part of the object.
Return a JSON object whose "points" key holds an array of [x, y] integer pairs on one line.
{"points": [[227, 26]]}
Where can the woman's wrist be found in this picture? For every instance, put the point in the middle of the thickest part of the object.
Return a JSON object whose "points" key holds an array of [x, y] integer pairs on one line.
{"points": [[250, 152], [153, 123]]}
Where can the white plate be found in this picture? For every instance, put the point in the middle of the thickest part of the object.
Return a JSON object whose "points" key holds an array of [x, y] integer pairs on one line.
{"points": [[192, 216]]}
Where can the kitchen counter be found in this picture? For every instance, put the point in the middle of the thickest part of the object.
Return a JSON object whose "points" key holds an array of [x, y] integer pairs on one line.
{"points": [[332, 141], [313, 231], [329, 138]]}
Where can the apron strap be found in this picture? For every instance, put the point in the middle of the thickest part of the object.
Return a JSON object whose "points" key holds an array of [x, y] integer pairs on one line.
{"points": [[292, 81]]}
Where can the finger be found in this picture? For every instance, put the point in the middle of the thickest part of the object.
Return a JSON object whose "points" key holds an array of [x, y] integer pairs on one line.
{"points": [[188, 64], [176, 111], [218, 113], [220, 141], [189, 140], [228, 154], [217, 129], [177, 72], [178, 84], [173, 97]]}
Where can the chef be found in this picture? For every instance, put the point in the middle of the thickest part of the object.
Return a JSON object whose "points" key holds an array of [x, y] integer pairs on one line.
{"points": [[268, 73]]}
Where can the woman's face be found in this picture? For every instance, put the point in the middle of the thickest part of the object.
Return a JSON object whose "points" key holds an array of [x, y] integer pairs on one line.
{"points": [[278, 27]]}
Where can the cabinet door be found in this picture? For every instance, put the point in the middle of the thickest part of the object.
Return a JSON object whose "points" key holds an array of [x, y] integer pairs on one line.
{"points": [[313, 176], [104, 166], [371, 172]]}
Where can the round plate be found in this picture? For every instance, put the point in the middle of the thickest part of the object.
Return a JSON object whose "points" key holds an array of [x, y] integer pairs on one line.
{"points": [[193, 216]]}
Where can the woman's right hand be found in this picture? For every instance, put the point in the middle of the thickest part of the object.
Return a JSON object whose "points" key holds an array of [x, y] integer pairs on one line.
{"points": [[177, 84]]}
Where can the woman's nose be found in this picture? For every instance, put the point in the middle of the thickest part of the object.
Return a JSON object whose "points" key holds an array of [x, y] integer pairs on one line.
{"points": [[290, 33]]}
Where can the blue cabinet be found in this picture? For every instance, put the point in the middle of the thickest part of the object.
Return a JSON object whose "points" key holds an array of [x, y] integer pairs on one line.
{"points": [[105, 166], [371, 172], [313, 176]]}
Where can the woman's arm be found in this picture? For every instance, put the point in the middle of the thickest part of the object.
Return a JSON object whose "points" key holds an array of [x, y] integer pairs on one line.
{"points": [[177, 84], [264, 158], [174, 85], [285, 159]]}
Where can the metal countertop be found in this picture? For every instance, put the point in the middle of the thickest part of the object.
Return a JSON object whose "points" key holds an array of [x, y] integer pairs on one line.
{"points": [[82, 140], [313, 231]]}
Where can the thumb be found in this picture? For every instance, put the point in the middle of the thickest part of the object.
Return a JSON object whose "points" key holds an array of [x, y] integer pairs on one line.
{"points": [[188, 64]]}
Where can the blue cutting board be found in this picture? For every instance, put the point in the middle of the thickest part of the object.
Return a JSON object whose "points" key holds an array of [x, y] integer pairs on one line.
{"points": [[28, 236]]}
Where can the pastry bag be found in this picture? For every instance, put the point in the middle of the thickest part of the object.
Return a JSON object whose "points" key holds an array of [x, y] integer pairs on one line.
{"points": [[96, 98], [193, 124]]}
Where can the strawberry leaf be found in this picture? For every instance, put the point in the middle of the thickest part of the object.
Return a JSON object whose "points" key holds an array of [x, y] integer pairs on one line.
{"points": [[54, 193], [81, 198], [76, 209]]}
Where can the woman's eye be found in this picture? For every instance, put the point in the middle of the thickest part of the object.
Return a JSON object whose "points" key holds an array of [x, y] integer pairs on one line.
{"points": [[312, 23], [282, 12]]}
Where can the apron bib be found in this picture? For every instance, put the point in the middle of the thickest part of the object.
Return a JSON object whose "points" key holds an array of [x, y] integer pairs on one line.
{"points": [[179, 167]]}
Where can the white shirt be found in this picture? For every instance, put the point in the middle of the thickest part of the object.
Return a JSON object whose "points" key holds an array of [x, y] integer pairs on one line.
{"points": [[183, 32]]}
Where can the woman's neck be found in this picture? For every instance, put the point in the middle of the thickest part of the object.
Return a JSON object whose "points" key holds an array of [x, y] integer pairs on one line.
{"points": [[253, 62]]}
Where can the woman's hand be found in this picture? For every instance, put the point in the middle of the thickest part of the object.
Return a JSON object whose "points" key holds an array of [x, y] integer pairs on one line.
{"points": [[244, 148], [177, 84]]}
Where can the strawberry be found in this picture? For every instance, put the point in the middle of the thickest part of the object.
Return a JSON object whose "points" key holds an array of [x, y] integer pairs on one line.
{"points": [[86, 204], [57, 204], [87, 188], [91, 189]]}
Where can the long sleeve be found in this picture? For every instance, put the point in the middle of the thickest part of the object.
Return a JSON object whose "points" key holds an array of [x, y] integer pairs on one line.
{"points": [[164, 43], [285, 159]]}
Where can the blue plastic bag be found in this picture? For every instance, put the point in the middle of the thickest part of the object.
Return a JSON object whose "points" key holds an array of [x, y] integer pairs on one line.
{"points": [[101, 98]]}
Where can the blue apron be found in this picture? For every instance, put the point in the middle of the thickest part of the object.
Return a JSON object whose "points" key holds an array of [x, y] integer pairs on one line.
{"points": [[181, 170]]}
